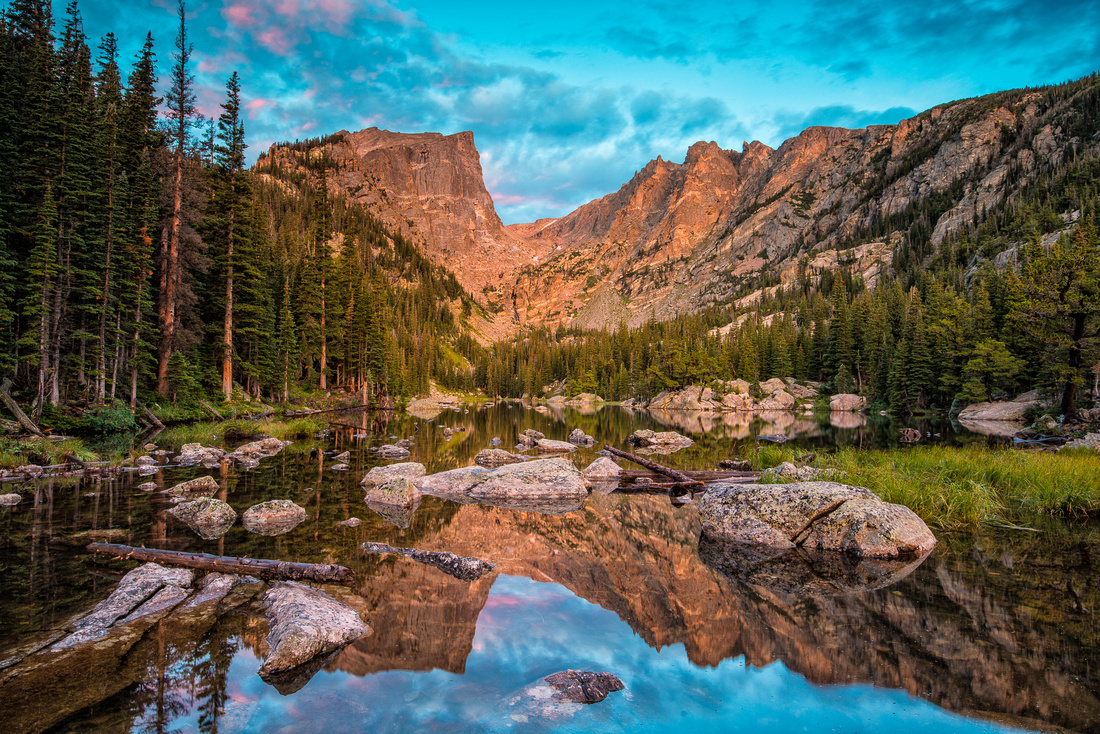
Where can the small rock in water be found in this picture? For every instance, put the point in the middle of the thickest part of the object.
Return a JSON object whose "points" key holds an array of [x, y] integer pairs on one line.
{"points": [[359, 435], [351, 522], [7, 500], [346, 456], [495, 441], [150, 447], [583, 686], [339, 467], [307, 489], [274, 517]]}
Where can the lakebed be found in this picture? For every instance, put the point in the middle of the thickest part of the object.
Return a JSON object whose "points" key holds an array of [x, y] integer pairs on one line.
{"points": [[995, 630]]}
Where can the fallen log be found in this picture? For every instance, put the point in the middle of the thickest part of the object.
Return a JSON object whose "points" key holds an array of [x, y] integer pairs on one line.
{"points": [[462, 568], [627, 475], [260, 568], [156, 421], [673, 474], [6, 398]]}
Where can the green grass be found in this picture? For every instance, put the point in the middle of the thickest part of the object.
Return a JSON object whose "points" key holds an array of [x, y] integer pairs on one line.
{"points": [[44, 452], [952, 487]]}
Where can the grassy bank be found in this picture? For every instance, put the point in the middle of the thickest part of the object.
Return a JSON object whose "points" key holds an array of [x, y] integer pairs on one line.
{"points": [[970, 485]]}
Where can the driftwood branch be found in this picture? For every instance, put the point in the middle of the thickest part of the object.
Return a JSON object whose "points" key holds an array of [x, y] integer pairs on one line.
{"points": [[677, 476], [258, 567], [11, 405], [156, 421]]}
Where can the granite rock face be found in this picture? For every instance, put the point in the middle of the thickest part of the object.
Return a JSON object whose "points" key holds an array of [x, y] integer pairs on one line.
{"points": [[824, 516]]}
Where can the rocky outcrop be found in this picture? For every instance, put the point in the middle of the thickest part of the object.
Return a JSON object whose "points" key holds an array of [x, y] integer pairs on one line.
{"points": [[305, 626], [274, 517], [821, 515], [846, 403], [1009, 410], [208, 517]]}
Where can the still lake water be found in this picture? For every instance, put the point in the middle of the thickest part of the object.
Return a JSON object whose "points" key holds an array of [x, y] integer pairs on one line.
{"points": [[995, 631]]}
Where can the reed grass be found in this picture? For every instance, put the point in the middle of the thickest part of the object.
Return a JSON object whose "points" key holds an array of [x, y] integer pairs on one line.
{"points": [[951, 487]]}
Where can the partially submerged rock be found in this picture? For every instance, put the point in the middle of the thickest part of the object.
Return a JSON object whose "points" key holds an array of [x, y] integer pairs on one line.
{"points": [[453, 481], [602, 469], [497, 457], [342, 457], [7, 500], [578, 436], [196, 453], [529, 439], [147, 486], [392, 452], [399, 491], [583, 686], [194, 488], [540, 479], [304, 626], [822, 515], [274, 517], [550, 446], [463, 568], [379, 475], [649, 441], [209, 518], [1009, 410]]}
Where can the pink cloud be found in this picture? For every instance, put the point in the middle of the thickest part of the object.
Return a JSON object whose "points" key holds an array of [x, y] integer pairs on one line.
{"points": [[258, 105], [275, 41], [243, 14]]}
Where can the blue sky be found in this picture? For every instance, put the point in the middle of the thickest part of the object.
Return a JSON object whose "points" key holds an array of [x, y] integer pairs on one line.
{"points": [[568, 99]]}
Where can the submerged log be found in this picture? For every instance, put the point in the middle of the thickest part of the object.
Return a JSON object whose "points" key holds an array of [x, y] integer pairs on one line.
{"points": [[462, 568], [6, 398], [678, 476], [260, 568]]}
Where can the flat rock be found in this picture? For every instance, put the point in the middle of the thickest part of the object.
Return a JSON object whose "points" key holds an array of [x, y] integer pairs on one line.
{"points": [[497, 457], [274, 517], [194, 488], [541, 479], [392, 452], [550, 446], [399, 491], [850, 519], [209, 518], [453, 481], [379, 475], [351, 522], [1010, 410], [304, 624]]}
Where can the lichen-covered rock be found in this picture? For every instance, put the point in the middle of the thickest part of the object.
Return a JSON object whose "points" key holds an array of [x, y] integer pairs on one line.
{"points": [[529, 438], [379, 475], [846, 402], [497, 457], [772, 386], [274, 517], [208, 517], [550, 446], [7, 500], [342, 457], [779, 400], [29, 470], [196, 453], [578, 436], [540, 479], [399, 491], [583, 686], [739, 401], [823, 515], [602, 469], [339, 467], [261, 449], [304, 624], [194, 488], [145, 461], [147, 486]]}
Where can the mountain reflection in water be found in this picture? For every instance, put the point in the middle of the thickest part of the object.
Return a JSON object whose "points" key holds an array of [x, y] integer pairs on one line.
{"points": [[998, 626]]}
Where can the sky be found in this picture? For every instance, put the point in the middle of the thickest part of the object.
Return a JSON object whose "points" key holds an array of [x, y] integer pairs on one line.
{"points": [[568, 99]]}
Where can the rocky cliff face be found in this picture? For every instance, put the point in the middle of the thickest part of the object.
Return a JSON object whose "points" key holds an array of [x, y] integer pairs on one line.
{"points": [[680, 236]]}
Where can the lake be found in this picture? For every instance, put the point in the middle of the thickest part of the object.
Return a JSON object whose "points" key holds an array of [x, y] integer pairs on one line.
{"points": [[995, 631]]}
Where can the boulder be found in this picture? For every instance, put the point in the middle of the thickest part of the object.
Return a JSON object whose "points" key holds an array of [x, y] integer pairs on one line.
{"points": [[583, 686], [145, 461], [448, 434], [405, 443], [274, 517], [529, 438], [585, 398], [195, 453], [738, 387], [738, 401], [351, 522], [846, 402], [789, 472], [392, 452], [772, 386], [602, 469], [194, 488], [343, 458], [454, 481], [801, 392], [261, 449], [1090, 441], [820, 515], [688, 398], [399, 491], [147, 486], [779, 400], [7, 500], [379, 475], [645, 438], [1011, 410], [304, 625], [554, 480], [578, 436], [549, 446], [497, 457], [556, 400], [208, 517], [29, 470]]}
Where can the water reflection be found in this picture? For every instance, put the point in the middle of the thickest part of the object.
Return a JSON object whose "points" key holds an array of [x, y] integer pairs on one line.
{"points": [[999, 625]]}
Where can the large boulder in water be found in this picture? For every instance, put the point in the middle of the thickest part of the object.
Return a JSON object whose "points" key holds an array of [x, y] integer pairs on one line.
{"points": [[305, 626], [392, 452], [497, 457], [379, 475], [846, 402], [208, 517], [819, 515], [554, 480], [193, 488], [196, 453], [453, 481], [274, 517], [1009, 410], [397, 492]]}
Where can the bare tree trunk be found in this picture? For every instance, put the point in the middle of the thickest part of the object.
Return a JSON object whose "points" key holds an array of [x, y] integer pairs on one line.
{"points": [[227, 341], [170, 274]]}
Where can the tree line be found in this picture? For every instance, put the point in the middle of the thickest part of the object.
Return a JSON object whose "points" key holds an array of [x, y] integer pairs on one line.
{"points": [[140, 257]]}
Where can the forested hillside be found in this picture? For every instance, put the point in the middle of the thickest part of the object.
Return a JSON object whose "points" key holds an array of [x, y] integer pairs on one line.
{"points": [[139, 257]]}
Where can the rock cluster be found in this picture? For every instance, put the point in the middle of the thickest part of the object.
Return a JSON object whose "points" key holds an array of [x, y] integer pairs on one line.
{"points": [[736, 395]]}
